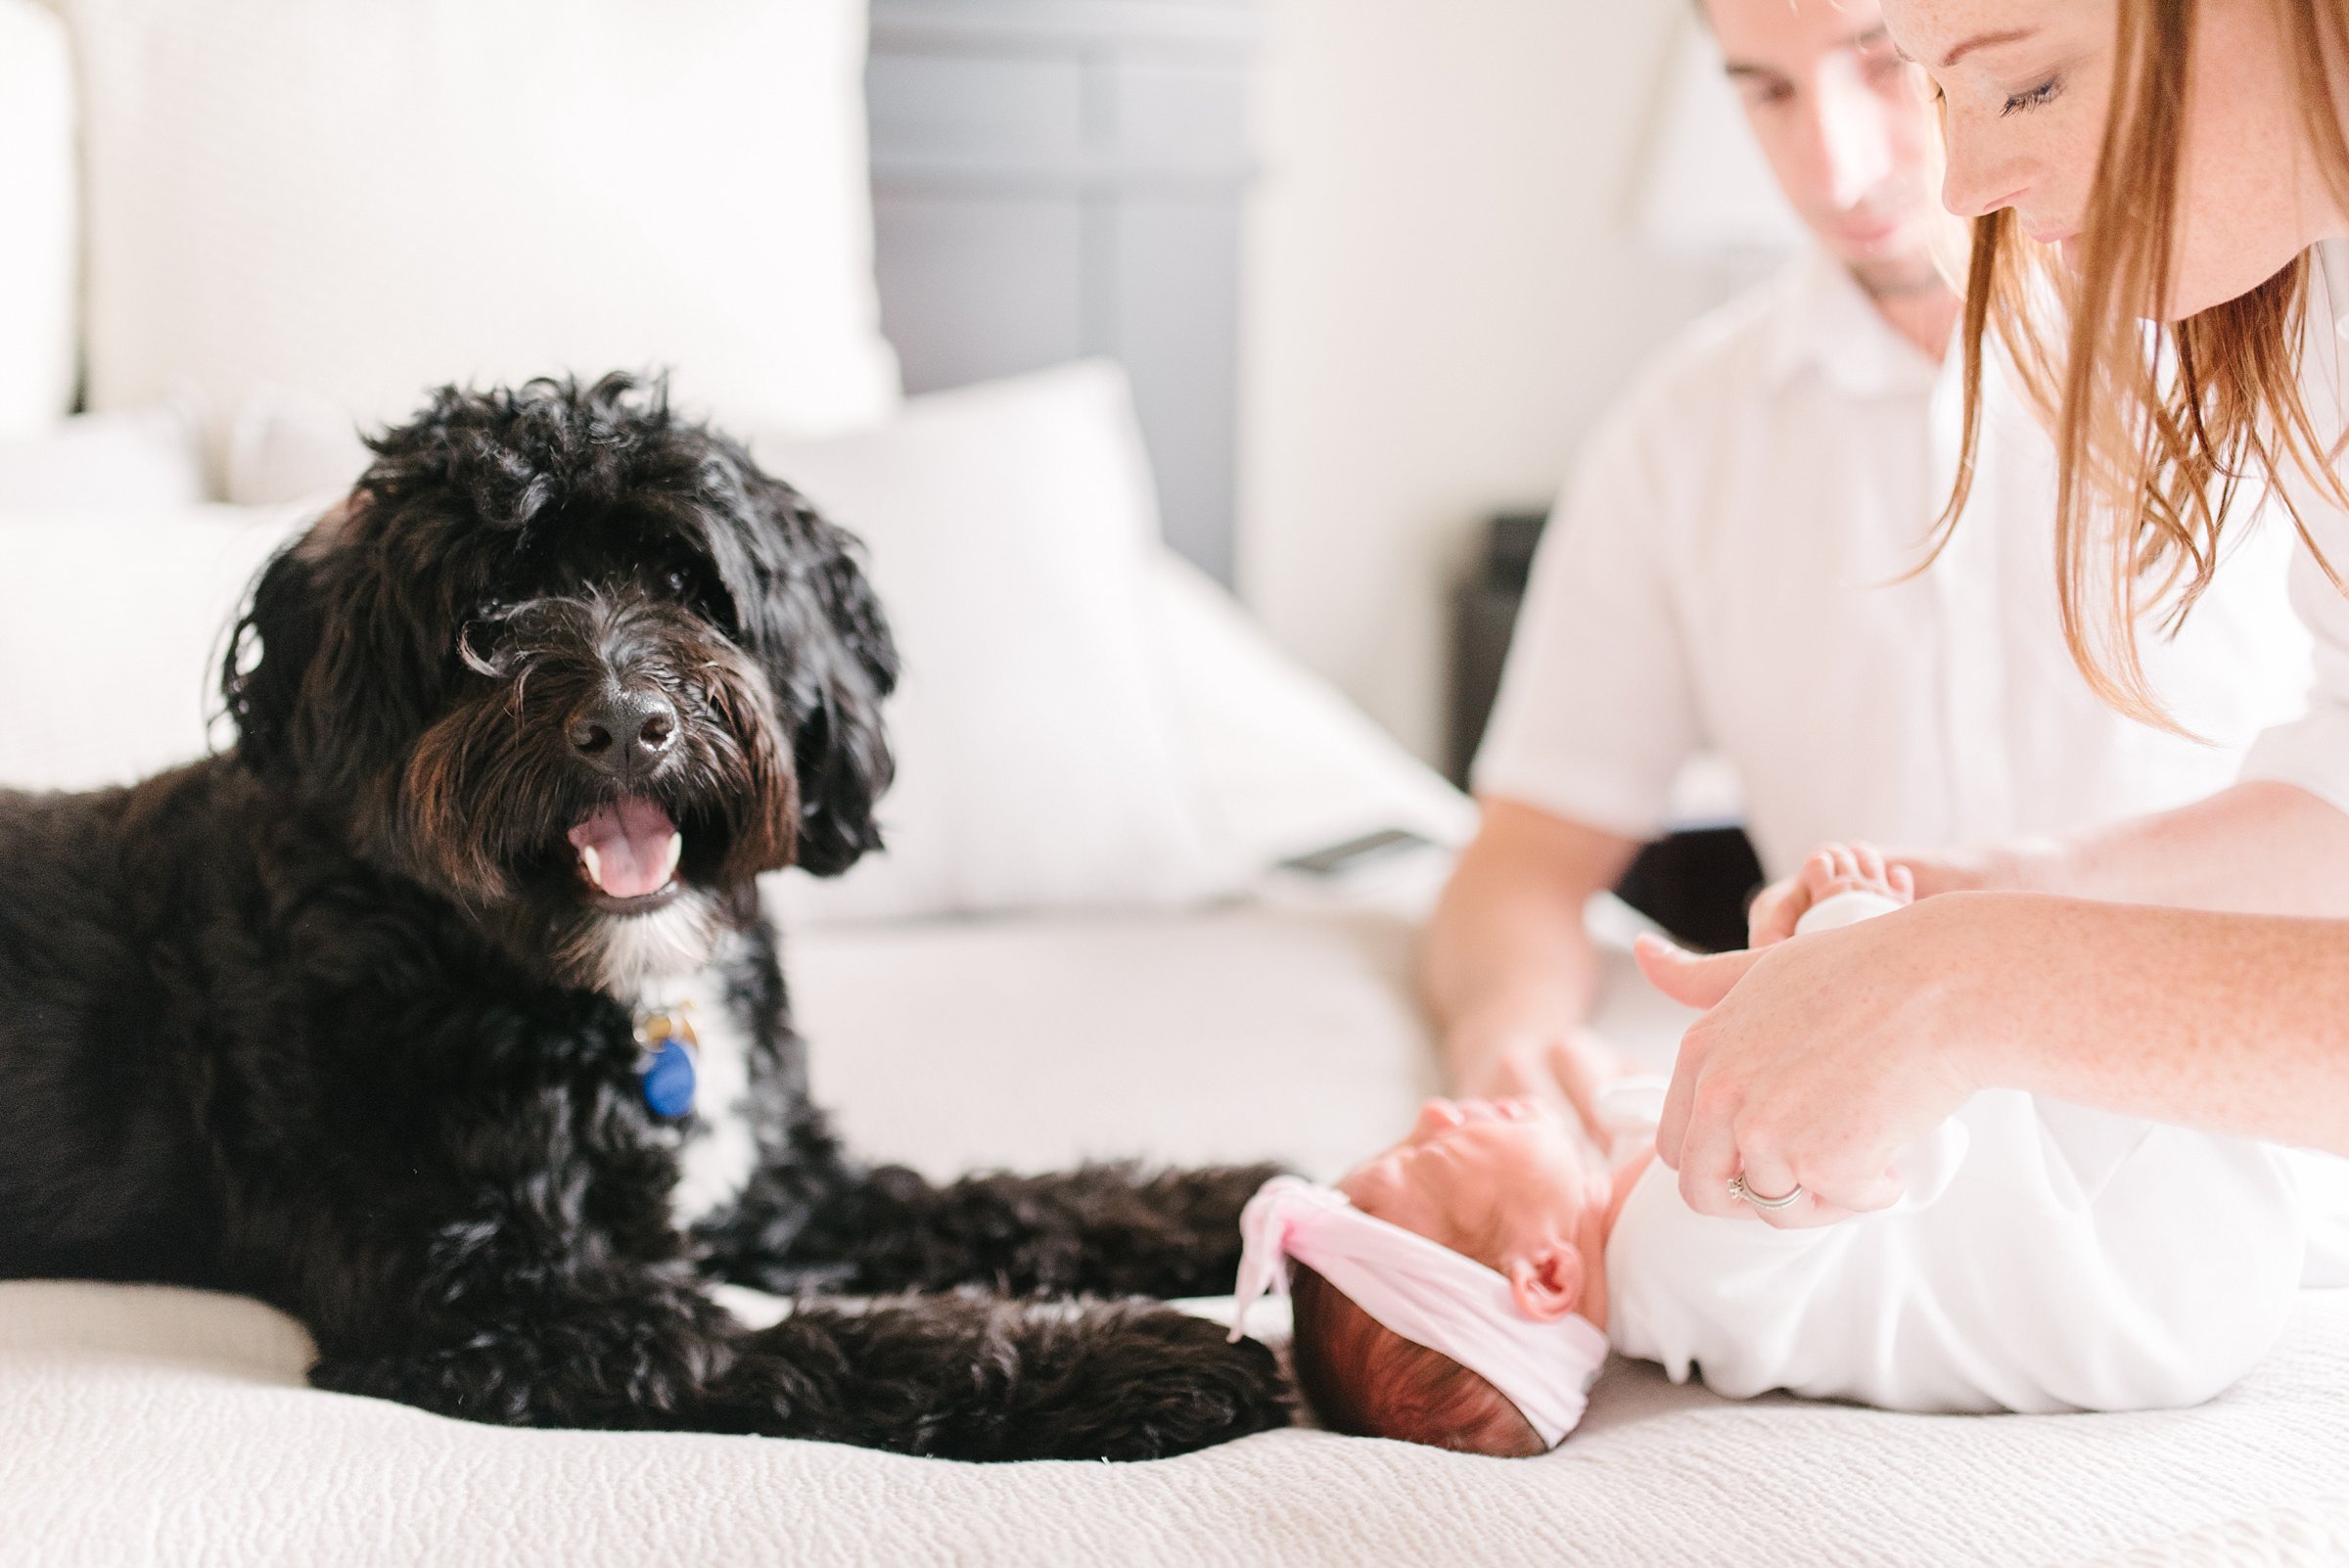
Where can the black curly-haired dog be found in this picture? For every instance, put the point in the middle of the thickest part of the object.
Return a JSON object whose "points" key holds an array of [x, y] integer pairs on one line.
{"points": [[375, 1016]]}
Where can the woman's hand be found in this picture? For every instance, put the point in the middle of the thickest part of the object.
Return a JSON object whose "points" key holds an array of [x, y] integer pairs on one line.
{"points": [[2010, 868], [1821, 1060]]}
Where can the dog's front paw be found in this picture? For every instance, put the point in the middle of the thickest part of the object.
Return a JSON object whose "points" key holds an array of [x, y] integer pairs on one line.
{"points": [[1134, 1382], [969, 1377]]}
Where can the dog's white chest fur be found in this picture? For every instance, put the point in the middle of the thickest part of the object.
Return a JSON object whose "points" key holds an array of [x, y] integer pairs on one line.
{"points": [[717, 1151]]}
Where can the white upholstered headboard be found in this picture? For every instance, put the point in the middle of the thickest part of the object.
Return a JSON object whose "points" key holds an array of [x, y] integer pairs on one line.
{"points": [[1052, 179]]}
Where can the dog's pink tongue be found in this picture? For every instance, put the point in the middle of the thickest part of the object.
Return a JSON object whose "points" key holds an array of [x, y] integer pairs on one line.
{"points": [[629, 849]]}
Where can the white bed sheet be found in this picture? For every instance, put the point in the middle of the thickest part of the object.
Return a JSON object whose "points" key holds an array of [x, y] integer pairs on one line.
{"points": [[159, 1426]]}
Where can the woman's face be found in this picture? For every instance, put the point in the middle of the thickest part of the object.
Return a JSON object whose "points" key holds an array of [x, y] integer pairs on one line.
{"points": [[2026, 84]]}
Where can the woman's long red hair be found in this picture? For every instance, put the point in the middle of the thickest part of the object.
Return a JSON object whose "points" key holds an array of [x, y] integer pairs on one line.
{"points": [[2156, 428]]}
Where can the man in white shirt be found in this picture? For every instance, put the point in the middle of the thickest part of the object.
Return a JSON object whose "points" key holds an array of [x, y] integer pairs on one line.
{"points": [[1734, 571]]}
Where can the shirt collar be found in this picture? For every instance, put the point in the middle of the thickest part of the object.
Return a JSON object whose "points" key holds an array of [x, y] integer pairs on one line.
{"points": [[1826, 322]]}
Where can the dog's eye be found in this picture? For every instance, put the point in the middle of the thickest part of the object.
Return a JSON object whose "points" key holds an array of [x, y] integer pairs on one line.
{"points": [[677, 581]]}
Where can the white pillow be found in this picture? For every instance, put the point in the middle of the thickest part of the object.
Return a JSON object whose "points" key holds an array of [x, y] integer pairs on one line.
{"points": [[1286, 764], [363, 199], [141, 460], [37, 220], [1041, 761], [288, 447], [90, 699]]}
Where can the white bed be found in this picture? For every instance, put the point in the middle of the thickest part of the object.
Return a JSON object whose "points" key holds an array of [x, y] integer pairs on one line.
{"points": [[1122, 981], [158, 1426]]}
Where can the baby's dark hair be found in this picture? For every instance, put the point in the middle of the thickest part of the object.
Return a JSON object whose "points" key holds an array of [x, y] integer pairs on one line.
{"points": [[1364, 1379]]}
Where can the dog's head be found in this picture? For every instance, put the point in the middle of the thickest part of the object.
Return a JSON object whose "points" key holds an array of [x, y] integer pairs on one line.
{"points": [[578, 665]]}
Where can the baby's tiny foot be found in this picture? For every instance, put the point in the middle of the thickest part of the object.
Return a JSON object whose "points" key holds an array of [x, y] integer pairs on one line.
{"points": [[1856, 868]]}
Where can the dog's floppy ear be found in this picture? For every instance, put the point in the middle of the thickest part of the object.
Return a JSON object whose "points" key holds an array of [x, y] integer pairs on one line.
{"points": [[269, 657], [842, 663], [281, 635]]}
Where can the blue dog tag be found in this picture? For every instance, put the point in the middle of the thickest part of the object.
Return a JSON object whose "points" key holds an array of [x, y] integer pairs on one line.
{"points": [[668, 1078]]}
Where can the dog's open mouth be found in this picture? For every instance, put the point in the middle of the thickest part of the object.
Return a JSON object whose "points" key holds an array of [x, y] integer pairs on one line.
{"points": [[629, 854]]}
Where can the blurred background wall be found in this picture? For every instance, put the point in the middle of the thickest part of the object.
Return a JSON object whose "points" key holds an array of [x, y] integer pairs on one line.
{"points": [[1462, 243]]}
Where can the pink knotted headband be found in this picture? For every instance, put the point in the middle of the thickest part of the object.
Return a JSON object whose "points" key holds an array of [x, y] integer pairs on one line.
{"points": [[1425, 1292]]}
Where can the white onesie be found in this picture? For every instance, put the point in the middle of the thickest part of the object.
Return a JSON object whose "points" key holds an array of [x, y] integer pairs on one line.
{"points": [[2046, 1257]]}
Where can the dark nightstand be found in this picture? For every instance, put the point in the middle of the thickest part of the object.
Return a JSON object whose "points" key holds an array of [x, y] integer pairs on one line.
{"points": [[1484, 614], [1695, 884]]}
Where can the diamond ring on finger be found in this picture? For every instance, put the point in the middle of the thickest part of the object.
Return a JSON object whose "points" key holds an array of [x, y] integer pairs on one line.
{"points": [[1738, 1189]]}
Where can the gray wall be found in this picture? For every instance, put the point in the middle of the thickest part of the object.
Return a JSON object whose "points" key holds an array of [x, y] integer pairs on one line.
{"points": [[1061, 178]]}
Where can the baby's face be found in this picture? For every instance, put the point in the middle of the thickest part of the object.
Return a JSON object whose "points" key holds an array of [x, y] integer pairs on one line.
{"points": [[1495, 1179]]}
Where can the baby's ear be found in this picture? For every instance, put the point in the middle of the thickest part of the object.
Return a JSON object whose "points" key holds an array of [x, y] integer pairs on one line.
{"points": [[1549, 1284]]}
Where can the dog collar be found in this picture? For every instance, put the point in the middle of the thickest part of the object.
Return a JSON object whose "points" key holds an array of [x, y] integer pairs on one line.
{"points": [[666, 1053]]}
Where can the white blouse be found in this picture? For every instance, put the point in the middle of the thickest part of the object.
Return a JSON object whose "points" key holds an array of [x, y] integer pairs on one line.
{"points": [[2313, 752]]}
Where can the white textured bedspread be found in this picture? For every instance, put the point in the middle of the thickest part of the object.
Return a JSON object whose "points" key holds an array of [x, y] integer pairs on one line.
{"points": [[161, 1426], [169, 1426]]}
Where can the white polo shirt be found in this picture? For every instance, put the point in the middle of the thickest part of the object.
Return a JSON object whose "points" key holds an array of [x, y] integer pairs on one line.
{"points": [[1727, 572]]}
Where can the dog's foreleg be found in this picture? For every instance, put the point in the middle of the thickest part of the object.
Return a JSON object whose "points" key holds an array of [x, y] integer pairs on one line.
{"points": [[961, 1376], [1103, 1230], [968, 1377], [625, 1354]]}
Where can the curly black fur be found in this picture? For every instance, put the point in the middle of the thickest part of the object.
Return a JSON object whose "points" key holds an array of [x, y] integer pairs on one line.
{"points": [[339, 1020]]}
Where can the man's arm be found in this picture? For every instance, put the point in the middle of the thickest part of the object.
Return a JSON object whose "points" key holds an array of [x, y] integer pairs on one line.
{"points": [[1597, 712], [1507, 969]]}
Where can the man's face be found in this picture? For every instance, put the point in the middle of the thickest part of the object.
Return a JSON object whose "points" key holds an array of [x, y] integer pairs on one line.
{"points": [[1845, 122]]}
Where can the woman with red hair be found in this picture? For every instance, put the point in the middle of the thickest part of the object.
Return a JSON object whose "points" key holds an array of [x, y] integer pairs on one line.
{"points": [[2159, 191]]}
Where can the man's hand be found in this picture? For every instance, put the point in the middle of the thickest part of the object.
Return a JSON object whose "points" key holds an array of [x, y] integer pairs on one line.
{"points": [[1566, 1068], [1506, 967]]}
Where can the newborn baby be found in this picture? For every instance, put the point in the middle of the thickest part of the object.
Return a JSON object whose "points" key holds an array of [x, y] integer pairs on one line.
{"points": [[1463, 1287]]}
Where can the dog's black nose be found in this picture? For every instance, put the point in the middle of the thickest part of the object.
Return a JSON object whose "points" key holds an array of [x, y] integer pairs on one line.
{"points": [[624, 733]]}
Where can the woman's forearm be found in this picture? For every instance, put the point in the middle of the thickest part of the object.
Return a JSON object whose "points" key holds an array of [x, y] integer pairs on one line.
{"points": [[2260, 847], [2228, 1022], [1819, 1060], [2255, 849]]}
